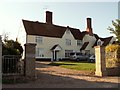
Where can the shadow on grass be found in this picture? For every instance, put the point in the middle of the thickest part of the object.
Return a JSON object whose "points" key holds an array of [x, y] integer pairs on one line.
{"points": [[59, 64], [67, 63], [40, 64]]}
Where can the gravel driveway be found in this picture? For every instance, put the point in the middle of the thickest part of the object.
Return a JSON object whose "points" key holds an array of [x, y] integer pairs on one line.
{"points": [[57, 77]]}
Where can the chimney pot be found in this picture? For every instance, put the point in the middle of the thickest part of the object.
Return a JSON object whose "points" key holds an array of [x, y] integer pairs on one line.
{"points": [[89, 26], [89, 23], [48, 17]]}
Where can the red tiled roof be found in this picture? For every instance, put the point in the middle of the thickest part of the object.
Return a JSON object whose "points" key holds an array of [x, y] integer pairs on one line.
{"points": [[49, 30], [84, 46]]}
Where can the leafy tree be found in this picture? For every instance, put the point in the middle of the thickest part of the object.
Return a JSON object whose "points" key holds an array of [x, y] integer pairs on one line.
{"points": [[11, 47], [116, 29]]}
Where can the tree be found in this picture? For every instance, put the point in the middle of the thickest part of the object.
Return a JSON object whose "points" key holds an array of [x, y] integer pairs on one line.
{"points": [[116, 29], [11, 47]]}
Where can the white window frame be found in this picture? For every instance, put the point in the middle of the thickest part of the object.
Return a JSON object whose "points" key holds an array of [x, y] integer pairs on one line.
{"points": [[39, 52], [79, 42], [39, 39], [68, 42]]}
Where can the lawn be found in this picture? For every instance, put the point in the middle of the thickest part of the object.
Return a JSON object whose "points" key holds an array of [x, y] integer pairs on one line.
{"points": [[75, 65]]}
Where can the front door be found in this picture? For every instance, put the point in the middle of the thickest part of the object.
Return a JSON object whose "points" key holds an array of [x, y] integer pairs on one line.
{"points": [[54, 55]]}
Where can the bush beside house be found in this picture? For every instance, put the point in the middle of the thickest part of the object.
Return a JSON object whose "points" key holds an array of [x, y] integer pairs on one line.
{"points": [[113, 59], [12, 52]]}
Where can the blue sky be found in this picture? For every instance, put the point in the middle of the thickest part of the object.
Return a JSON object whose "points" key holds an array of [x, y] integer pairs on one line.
{"points": [[71, 14]]}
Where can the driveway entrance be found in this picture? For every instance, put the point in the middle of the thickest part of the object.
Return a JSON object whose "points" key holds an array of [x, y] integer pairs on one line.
{"points": [[57, 77]]}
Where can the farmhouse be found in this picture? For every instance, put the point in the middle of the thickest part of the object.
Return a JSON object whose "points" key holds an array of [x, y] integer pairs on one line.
{"points": [[56, 42]]}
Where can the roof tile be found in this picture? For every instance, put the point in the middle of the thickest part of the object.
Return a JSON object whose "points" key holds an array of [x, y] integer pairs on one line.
{"points": [[49, 30]]}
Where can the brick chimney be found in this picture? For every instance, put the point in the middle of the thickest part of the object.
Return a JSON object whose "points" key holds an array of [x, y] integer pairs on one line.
{"points": [[48, 17], [89, 26]]}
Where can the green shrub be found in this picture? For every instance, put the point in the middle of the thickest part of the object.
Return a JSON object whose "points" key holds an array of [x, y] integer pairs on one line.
{"points": [[112, 55]]}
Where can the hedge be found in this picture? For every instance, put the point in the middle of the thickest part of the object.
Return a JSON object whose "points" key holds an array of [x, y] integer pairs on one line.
{"points": [[112, 55]]}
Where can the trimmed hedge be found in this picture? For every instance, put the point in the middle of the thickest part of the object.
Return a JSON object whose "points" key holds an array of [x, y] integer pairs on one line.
{"points": [[112, 55]]}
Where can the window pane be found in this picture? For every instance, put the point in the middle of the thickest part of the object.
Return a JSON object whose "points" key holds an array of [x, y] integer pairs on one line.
{"points": [[39, 39], [79, 42], [99, 43], [39, 52], [68, 42]]}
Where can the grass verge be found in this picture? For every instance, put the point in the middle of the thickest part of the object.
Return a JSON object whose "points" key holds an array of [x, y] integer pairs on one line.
{"points": [[75, 65]]}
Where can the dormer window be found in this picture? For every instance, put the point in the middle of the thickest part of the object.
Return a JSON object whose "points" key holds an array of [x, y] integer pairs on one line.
{"points": [[99, 42]]}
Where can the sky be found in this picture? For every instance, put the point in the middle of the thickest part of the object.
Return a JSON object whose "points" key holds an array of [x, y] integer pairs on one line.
{"points": [[70, 13]]}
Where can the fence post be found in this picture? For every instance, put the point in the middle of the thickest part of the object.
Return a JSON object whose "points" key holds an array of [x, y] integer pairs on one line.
{"points": [[100, 61], [30, 60], [0, 62]]}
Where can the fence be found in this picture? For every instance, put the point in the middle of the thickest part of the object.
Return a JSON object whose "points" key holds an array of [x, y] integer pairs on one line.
{"points": [[12, 65]]}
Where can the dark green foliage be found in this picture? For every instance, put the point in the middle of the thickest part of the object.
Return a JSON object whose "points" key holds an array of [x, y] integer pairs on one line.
{"points": [[11, 47], [116, 29], [9, 63]]}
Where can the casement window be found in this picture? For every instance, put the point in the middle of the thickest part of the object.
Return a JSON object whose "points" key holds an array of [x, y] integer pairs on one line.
{"points": [[39, 39], [99, 42], [39, 52], [67, 53], [79, 42], [68, 42]]}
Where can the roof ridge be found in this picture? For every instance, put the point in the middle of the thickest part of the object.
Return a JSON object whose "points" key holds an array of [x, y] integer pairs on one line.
{"points": [[51, 24]]}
